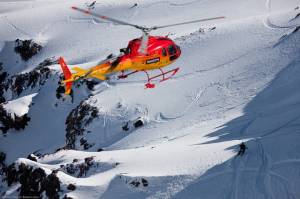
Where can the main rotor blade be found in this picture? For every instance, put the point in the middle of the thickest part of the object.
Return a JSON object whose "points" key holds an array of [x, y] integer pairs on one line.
{"points": [[106, 18], [144, 44], [187, 22]]}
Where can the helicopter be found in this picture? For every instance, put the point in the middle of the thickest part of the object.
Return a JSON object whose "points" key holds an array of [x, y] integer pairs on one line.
{"points": [[142, 54]]}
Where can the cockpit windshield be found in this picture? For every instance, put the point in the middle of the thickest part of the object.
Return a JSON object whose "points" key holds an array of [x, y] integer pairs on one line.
{"points": [[172, 50]]}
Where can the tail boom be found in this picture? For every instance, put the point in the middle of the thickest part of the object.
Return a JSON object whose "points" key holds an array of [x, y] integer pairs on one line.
{"points": [[80, 73]]}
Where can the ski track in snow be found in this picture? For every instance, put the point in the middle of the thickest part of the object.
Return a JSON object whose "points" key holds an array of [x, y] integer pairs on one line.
{"points": [[263, 177], [200, 71], [236, 167], [278, 128], [14, 27], [264, 173], [235, 178], [269, 24]]}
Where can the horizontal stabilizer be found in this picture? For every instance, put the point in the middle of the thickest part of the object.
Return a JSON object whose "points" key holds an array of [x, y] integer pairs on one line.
{"points": [[98, 76], [79, 70]]}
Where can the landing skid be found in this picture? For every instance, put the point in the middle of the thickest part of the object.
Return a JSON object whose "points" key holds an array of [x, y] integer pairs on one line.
{"points": [[149, 84]]}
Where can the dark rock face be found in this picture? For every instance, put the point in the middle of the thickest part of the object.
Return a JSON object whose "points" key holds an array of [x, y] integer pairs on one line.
{"points": [[138, 123], [18, 83], [33, 181], [52, 186], [60, 91], [3, 86], [27, 48], [91, 84], [137, 182], [30, 80], [144, 182], [79, 169], [71, 187], [10, 122], [2, 158], [67, 197], [2, 163], [11, 174], [76, 122], [125, 127], [32, 157], [85, 144]]}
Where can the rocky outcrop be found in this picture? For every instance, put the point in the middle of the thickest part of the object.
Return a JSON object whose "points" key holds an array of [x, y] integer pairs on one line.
{"points": [[16, 84], [8, 121], [27, 48], [2, 162], [77, 169], [139, 182], [34, 181], [37, 77], [3, 85], [76, 122], [136, 123], [71, 187], [60, 90]]}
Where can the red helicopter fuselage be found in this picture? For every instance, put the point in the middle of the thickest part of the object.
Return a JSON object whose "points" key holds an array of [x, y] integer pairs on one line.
{"points": [[161, 51]]}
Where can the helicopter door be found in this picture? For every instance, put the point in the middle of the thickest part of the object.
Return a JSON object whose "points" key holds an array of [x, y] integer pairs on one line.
{"points": [[164, 52], [164, 59], [172, 52]]}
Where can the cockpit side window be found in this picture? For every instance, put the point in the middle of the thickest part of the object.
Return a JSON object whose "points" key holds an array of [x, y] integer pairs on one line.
{"points": [[164, 52], [128, 50]]}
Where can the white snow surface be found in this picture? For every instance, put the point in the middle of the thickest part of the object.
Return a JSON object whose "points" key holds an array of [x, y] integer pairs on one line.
{"points": [[237, 83], [20, 106]]}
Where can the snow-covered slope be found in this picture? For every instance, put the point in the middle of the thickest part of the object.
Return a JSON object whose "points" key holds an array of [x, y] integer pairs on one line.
{"points": [[19, 106], [238, 82]]}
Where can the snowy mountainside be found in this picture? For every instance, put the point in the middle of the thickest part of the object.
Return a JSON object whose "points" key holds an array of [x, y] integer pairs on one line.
{"points": [[238, 82], [19, 106]]}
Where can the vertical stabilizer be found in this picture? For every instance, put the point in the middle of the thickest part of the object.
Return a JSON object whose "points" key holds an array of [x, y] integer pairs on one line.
{"points": [[67, 75]]}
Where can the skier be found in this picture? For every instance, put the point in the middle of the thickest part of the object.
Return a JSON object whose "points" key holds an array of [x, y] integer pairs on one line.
{"points": [[242, 149]]}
